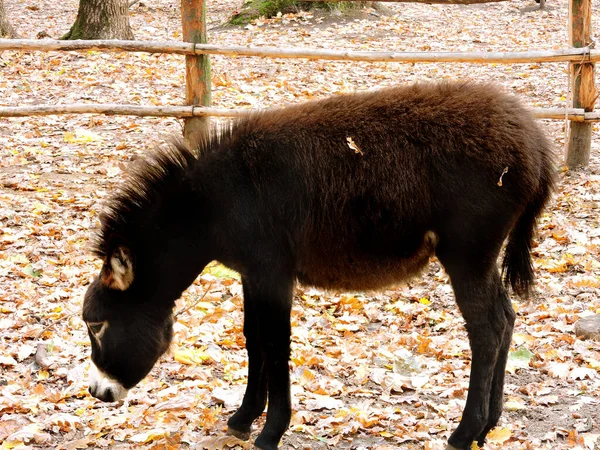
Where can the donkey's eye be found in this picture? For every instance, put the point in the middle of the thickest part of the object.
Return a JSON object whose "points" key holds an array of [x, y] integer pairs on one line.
{"points": [[97, 328]]}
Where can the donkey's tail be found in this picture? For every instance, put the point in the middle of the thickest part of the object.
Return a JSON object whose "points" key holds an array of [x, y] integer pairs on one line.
{"points": [[517, 267]]}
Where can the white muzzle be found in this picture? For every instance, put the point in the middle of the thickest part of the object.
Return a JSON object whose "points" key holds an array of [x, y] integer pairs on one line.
{"points": [[105, 388]]}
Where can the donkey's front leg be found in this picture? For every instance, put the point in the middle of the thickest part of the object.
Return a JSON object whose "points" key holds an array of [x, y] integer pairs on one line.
{"points": [[255, 398], [270, 296]]}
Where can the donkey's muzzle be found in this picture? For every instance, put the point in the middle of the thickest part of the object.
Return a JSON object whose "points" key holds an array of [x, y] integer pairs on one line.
{"points": [[105, 388]]}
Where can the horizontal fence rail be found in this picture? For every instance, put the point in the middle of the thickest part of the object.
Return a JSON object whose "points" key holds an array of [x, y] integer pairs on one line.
{"points": [[429, 2], [579, 55], [121, 110], [574, 114]]}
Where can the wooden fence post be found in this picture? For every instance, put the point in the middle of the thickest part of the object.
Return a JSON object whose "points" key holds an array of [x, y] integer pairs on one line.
{"points": [[582, 84], [197, 68]]}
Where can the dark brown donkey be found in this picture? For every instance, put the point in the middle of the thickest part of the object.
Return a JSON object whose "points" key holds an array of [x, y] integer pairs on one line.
{"points": [[352, 192]]}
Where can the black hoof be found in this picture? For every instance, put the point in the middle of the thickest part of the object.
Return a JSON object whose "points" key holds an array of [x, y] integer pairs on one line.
{"points": [[257, 447], [451, 447], [265, 443], [241, 435]]}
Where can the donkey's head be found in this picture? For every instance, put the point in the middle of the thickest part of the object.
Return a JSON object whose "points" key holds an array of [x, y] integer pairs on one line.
{"points": [[128, 328], [150, 244]]}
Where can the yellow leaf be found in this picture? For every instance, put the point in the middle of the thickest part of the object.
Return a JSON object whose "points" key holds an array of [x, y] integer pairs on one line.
{"points": [[514, 404], [366, 420], [190, 356], [307, 376], [81, 136], [521, 339], [148, 436], [594, 363], [499, 435], [184, 356], [560, 236], [558, 266], [10, 445], [43, 375], [39, 208], [424, 301], [586, 281]]}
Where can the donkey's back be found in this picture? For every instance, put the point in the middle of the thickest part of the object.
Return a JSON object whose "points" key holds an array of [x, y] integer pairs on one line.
{"points": [[366, 185]]}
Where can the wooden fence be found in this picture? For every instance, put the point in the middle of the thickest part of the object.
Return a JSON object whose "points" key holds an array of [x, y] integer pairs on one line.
{"points": [[579, 55]]}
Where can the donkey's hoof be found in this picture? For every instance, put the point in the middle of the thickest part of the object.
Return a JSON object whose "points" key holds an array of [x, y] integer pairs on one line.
{"points": [[264, 443], [256, 447], [241, 435]]}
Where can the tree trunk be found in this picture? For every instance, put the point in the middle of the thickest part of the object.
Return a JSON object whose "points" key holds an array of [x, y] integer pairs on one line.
{"points": [[101, 19], [252, 9], [6, 29]]}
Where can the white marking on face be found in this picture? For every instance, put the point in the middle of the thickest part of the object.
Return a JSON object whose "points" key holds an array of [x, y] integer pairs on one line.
{"points": [[98, 329], [105, 388]]}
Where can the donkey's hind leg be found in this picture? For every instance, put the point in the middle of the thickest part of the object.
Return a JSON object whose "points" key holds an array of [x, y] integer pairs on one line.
{"points": [[255, 398], [497, 393], [477, 286]]}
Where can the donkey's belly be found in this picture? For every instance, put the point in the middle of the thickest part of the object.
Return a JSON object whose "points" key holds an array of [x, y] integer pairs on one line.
{"points": [[330, 269]]}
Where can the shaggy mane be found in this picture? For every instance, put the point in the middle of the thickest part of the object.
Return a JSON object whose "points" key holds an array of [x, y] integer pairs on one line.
{"points": [[161, 172]]}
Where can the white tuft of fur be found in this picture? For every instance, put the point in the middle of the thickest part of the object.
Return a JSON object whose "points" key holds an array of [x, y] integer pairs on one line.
{"points": [[122, 269]]}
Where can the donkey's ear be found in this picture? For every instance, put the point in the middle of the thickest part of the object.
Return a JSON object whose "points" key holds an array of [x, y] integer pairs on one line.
{"points": [[117, 272]]}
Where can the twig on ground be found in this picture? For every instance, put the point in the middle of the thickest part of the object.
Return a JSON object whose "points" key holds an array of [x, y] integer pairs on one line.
{"points": [[60, 319], [198, 300]]}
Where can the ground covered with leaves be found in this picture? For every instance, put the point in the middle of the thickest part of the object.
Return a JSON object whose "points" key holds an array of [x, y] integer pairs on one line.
{"points": [[370, 370]]}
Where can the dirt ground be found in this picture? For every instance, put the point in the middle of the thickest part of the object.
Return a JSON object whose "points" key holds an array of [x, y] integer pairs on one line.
{"points": [[370, 370]]}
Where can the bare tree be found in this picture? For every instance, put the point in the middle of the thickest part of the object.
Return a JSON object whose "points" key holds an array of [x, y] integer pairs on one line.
{"points": [[101, 19], [6, 29]]}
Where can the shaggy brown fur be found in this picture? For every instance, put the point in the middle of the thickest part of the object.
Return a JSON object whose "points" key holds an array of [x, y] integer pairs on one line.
{"points": [[352, 192]]}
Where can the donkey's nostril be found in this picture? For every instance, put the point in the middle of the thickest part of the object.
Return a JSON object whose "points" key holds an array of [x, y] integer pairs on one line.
{"points": [[104, 388], [105, 395]]}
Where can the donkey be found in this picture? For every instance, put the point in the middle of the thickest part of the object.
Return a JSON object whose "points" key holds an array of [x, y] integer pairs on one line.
{"points": [[352, 192]]}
